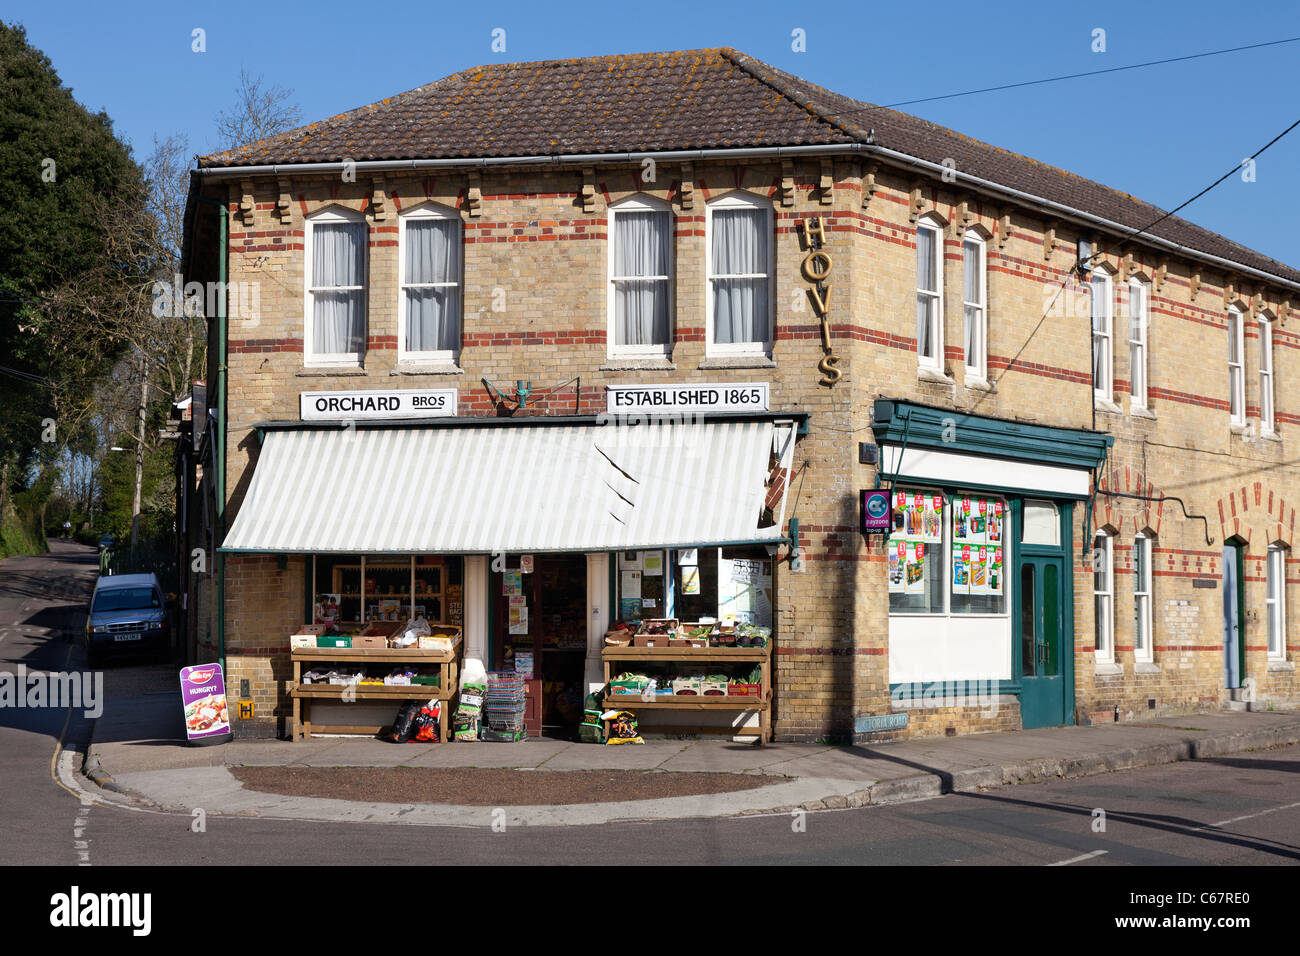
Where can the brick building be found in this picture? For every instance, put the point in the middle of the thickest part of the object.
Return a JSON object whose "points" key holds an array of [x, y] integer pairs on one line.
{"points": [[1078, 409]]}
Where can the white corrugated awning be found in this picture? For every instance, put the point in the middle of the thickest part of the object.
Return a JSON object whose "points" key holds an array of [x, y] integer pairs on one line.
{"points": [[491, 488]]}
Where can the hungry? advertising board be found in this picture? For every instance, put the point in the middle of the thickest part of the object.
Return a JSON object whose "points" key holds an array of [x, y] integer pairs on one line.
{"points": [[203, 697]]}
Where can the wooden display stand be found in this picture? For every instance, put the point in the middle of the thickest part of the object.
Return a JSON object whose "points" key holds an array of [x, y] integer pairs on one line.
{"points": [[660, 655], [447, 691]]}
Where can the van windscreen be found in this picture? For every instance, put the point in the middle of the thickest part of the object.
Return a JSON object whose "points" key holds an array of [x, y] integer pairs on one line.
{"points": [[125, 599]]}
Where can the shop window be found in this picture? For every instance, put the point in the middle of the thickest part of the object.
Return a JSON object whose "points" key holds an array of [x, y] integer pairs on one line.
{"points": [[1142, 637], [946, 554], [929, 294], [1102, 366], [640, 277], [1275, 602], [975, 301], [1236, 375], [1139, 308], [740, 268], [335, 251], [351, 590], [1265, 376], [1103, 588], [429, 263], [723, 584]]}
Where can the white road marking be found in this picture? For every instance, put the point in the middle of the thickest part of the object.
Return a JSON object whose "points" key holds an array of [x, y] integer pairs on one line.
{"points": [[1079, 859], [1248, 816]]}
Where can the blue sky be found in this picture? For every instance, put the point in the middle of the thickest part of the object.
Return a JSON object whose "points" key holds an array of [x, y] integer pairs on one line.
{"points": [[1161, 133]]}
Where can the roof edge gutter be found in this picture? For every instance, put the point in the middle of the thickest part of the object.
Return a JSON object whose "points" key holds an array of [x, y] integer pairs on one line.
{"points": [[1078, 216]]}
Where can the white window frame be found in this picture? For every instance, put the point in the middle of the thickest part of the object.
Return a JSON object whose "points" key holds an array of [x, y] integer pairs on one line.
{"points": [[1237, 387], [1104, 625], [979, 368], [432, 356], [1266, 410], [333, 214], [739, 199], [644, 204], [931, 227], [1105, 391], [1139, 305], [1275, 607], [1143, 639]]}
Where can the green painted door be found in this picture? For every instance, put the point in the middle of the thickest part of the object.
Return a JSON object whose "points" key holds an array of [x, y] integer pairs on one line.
{"points": [[1039, 631]]}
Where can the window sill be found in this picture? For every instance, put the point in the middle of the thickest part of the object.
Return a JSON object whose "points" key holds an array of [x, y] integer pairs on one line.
{"points": [[438, 368], [1146, 667], [1235, 429], [638, 364], [324, 371], [737, 361], [1108, 669], [980, 383], [1271, 436], [1281, 666], [933, 375], [1141, 411], [1105, 405]]}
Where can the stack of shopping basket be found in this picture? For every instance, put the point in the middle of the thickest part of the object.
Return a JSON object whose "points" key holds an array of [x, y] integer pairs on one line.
{"points": [[503, 707]]}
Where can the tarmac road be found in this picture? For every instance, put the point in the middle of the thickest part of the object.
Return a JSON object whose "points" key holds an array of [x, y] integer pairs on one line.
{"points": [[1242, 810]]}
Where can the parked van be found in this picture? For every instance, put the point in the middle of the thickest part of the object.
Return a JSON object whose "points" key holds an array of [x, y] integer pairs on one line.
{"points": [[128, 617]]}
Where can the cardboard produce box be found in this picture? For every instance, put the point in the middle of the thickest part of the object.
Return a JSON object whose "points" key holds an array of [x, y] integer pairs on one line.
{"points": [[741, 689], [334, 640], [686, 686], [713, 688], [371, 641]]}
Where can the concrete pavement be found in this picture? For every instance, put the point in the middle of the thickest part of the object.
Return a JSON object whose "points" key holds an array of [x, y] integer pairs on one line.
{"points": [[138, 749]]}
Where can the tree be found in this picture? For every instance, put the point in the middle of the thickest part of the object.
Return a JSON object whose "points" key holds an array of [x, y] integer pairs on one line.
{"points": [[259, 111]]}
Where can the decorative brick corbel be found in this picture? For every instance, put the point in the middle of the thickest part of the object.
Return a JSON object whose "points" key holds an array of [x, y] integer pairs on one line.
{"points": [[1162, 273], [1229, 293], [284, 203], [1049, 241], [1194, 284], [915, 203], [826, 190], [474, 196], [869, 182], [960, 219], [378, 198], [588, 188], [1127, 267], [247, 207], [1004, 229], [787, 182], [1283, 310], [688, 186]]}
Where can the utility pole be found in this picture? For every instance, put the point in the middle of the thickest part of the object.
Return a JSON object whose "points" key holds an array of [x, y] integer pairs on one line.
{"points": [[139, 453]]}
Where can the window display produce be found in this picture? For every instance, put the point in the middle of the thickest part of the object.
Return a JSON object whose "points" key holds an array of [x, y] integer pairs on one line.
{"points": [[388, 661], [690, 667]]}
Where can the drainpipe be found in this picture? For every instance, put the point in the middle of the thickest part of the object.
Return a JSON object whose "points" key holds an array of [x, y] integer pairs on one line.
{"points": [[220, 405]]}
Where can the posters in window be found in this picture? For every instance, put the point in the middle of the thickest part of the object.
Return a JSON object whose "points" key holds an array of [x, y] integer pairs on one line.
{"points": [[994, 570], [629, 560], [688, 557], [653, 564], [962, 532], [995, 523], [979, 570], [914, 571], [961, 569], [897, 565], [690, 580], [512, 583], [518, 619]]}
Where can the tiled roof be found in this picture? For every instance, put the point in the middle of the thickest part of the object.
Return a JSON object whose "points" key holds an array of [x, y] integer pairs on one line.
{"points": [[696, 99]]}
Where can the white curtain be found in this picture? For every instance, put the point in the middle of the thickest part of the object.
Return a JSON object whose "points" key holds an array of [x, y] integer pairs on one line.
{"points": [[973, 294], [927, 306], [740, 306], [433, 314], [641, 248], [338, 319]]}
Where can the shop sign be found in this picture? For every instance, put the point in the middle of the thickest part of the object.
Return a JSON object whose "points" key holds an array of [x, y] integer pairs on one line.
{"points": [[663, 399], [377, 403], [203, 697], [876, 513]]}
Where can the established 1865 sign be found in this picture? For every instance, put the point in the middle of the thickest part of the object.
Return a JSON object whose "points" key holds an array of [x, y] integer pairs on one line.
{"points": [[377, 403], [664, 399]]}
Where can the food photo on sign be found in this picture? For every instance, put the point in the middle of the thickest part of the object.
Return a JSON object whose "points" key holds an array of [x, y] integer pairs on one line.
{"points": [[203, 699]]}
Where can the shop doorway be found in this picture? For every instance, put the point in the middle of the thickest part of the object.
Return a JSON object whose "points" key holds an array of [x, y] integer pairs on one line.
{"points": [[539, 623], [1233, 658], [1040, 621]]}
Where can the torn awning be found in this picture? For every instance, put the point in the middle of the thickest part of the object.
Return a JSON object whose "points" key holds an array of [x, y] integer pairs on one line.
{"points": [[512, 488]]}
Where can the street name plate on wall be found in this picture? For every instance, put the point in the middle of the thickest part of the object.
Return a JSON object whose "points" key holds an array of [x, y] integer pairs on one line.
{"points": [[628, 399], [868, 725], [377, 403]]}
